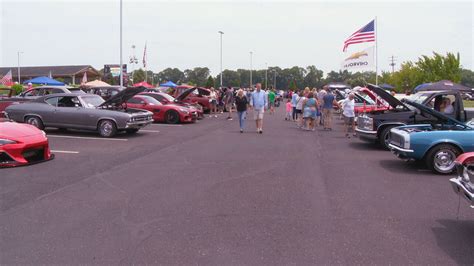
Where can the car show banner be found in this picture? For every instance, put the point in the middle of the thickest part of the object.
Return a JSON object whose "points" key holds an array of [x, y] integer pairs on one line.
{"points": [[361, 60]]}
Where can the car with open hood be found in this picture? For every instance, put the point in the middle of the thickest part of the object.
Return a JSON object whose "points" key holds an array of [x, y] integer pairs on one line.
{"points": [[376, 126], [362, 103], [106, 92], [22, 144], [168, 113], [166, 99], [438, 143], [463, 184], [193, 95], [83, 111]]}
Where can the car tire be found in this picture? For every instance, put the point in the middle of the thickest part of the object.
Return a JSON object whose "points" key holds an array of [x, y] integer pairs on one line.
{"points": [[132, 130], [172, 117], [107, 128], [34, 121], [440, 159], [384, 137]]}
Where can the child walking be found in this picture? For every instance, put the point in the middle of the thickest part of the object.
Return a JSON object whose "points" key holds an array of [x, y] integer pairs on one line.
{"points": [[289, 108]]}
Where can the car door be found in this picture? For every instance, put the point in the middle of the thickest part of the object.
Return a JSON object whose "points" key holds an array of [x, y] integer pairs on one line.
{"points": [[69, 112], [48, 113]]}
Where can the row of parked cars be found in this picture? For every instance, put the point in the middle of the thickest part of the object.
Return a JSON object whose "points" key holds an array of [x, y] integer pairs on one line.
{"points": [[106, 110], [416, 129]]}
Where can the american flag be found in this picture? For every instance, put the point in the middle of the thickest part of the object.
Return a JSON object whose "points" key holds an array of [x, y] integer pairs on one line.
{"points": [[365, 34], [7, 79]]}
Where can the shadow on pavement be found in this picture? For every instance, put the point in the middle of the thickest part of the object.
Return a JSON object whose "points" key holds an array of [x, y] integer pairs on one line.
{"points": [[456, 238], [399, 166], [365, 146], [91, 134]]}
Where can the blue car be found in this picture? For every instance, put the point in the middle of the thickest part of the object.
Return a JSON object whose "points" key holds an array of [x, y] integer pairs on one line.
{"points": [[438, 144]]}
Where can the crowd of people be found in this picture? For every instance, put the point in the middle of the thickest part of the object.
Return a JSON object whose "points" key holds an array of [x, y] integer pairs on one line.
{"points": [[308, 108]]}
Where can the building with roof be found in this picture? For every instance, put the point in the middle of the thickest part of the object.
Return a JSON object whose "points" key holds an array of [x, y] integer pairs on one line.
{"points": [[67, 74]]}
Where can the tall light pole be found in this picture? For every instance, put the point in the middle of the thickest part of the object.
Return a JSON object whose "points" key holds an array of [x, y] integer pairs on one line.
{"points": [[121, 62], [221, 33], [19, 75], [266, 76], [251, 54]]}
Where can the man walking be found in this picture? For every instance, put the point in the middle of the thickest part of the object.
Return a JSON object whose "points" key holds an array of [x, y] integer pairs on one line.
{"points": [[328, 101], [294, 101], [258, 102]]}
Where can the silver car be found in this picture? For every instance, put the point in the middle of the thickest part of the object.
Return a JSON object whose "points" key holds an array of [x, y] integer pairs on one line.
{"points": [[82, 111]]}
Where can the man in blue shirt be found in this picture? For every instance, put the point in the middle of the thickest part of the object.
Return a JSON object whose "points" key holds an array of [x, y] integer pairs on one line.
{"points": [[294, 101], [259, 103], [328, 101]]}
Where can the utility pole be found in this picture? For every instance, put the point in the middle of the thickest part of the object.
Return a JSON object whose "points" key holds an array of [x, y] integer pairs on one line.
{"points": [[19, 75], [392, 63], [221, 33], [251, 54], [121, 62], [266, 76]]}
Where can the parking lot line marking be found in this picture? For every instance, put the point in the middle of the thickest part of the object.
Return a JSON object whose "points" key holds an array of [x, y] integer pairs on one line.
{"points": [[153, 131], [69, 152], [167, 125], [91, 138]]}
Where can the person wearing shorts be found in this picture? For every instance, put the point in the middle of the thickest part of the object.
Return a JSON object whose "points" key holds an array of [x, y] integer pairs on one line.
{"points": [[328, 101], [213, 101], [309, 112], [349, 114], [258, 102], [271, 100]]}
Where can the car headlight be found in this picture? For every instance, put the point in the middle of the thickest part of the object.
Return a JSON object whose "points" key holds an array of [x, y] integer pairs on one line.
{"points": [[184, 110], [6, 141], [44, 133]]}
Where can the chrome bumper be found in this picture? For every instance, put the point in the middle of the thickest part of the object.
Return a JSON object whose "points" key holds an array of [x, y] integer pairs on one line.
{"points": [[366, 134], [460, 189]]}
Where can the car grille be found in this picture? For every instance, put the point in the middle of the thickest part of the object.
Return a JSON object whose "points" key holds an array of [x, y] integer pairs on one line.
{"points": [[5, 158], [34, 155], [140, 118], [364, 123], [397, 139]]}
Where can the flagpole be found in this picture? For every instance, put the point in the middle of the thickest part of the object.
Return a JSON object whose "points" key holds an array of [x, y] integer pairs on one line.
{"points": [[121, 62], [376, 53]]}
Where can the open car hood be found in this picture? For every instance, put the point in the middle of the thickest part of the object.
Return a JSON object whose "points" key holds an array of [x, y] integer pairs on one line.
{"points": [[185, 94], [392, 101], [434, 113], [123, 96]]}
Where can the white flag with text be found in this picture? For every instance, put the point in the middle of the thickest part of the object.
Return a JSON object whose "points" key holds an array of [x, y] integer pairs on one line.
{"points": [[361, 60]]}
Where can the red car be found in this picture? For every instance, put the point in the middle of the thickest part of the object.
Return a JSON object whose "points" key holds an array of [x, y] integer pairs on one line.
{"points": [[381, 104], [165, 99], [463, 184], [196, 95], [22, 144], [169, 113]]}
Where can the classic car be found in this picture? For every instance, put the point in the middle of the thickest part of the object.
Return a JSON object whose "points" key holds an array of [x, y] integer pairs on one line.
{"points": [[375, 127], [463, 184], [437, 143], [197, 95], [362, 104], [168, 113], [165, 98], [35, 93], [22, 144], [104, 92], [83, 111]]}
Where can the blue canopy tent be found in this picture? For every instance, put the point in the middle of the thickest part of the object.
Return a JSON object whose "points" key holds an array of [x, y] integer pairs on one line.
{"points": [[44, 81], [170, 84], [421, 86], [386, 86]]}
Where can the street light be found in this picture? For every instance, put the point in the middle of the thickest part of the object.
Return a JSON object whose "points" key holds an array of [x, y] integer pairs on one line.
{"points": [[121, 63], [221, 33], [266, 76], [251, 54], [19, 75]]}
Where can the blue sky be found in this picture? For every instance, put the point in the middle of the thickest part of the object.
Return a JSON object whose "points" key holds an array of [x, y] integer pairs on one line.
{"points": [[185, 34]]}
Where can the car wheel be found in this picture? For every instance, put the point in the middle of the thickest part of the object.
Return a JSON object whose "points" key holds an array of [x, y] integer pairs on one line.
{"points": [[440, 159], [172, 117], [107, 128], [132, 130], [35, 121], [384, 137]]}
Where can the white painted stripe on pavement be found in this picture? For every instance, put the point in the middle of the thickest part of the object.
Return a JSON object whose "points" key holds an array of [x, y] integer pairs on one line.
{"points": [[165, 125], [152, 131], [91, 138], [69, 152]]}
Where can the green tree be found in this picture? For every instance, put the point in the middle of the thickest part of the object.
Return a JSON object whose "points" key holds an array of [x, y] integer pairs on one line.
{"points": [[467, 78], [170, 74], [138, 75], [440, 67], [197, 75], [210, 82], [313, 78]]}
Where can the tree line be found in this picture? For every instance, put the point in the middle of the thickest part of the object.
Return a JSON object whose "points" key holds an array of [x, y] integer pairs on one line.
{"points": [[425, 69]]}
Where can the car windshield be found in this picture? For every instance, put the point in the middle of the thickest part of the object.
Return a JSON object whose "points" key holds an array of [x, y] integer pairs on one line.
{"points": [[151, 100], [168, 97], [418, 97], [92, 101], [366, 97]]}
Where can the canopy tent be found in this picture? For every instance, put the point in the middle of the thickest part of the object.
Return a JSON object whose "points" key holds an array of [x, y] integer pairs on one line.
{"points": [[169, 84], [44, 81], [386, 86], [96, 83], [143, 84], [442, 85]]}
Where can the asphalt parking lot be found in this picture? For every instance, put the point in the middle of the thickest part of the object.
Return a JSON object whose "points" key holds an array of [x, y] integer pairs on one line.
{"points": [[205, 194]]}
